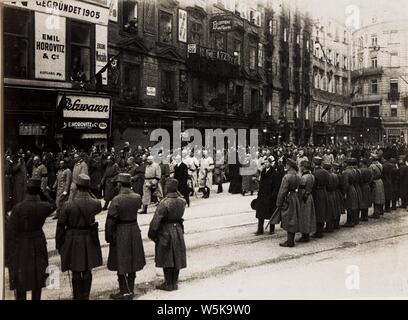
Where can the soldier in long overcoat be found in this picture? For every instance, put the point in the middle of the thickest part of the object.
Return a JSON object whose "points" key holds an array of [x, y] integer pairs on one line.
{"points": [[80, 167], [338, 170], [287, 203], [357, 186], [26, 246], [122, 232], [403, 183], [77, 238], [167, 231], [388, 185], [332, 212], [181, 175], [219, 172], [395, 184], [365, 182], [320, 196], [377, 187], [307, 215], [62, 186], [269, 185], [349, 192], [95, 173], [19, 171], [111, 171]]}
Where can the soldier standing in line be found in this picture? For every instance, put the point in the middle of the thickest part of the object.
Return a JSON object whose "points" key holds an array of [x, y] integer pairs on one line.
{"points": [[80, 167], [151, 183], [40, 172], [122, 232], [339, 195], [167, 231], [26, 246], [331, 196], [349, 192], [365, 182], [377, 187], [62, 186], [77, 238]]}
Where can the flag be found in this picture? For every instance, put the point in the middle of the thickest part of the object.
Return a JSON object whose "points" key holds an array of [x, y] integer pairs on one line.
{"points": [[98, 75], [59, 113], [325, 111]]}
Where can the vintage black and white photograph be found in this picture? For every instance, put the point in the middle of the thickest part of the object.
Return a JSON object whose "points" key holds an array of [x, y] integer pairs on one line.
{"points": [[204, 150]]}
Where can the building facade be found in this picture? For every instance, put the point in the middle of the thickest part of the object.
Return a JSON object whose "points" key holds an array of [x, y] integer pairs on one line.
{"points": [[380, 82], [331, 111]]}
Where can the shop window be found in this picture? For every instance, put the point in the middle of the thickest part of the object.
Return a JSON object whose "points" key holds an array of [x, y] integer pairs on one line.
{"points": [[16, 26], [165, 27], [131, 82], [129, 16], [81, 52], [252, 57], [196, 33], [167, 87]]}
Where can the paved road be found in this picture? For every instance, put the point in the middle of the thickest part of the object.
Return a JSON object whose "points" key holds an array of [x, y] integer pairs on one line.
{"points": [[221, 246]]}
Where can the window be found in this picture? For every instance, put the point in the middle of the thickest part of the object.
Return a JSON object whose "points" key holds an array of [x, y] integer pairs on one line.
{"points": [[394, 110], [198, 92], [374, 40], [374, 62], [196, 33], [285, 34], [394, 85], [373, 112], [81, 51], [394, 60], [129, 16], [16, 25], [131, 82], [393, 37], [167, 87], [374, 86], [345, 62], [318, 113], [239, 94], [260, 55], [345, 36], [254, 100], [317, 81], [219, 41], [165, 27], [237, 51], [337, 60], [252, 57]]}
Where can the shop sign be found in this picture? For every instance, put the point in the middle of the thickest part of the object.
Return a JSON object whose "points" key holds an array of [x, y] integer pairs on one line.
{"points": [[113, 10], [182, 25], [151, 91], [32, 129], [85, 125], [50, 47], [222, 24], [101, 51], [67, 8], [211, 54], [86, 107]]}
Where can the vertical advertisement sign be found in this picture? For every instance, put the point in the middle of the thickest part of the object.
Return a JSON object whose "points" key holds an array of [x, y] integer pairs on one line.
{"points": [[182, 25], [50, 47], [113, 10], [101, 51]]}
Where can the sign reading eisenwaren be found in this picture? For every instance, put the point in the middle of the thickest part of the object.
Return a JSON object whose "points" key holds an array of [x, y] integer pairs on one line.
{"points": [[86, 113]]}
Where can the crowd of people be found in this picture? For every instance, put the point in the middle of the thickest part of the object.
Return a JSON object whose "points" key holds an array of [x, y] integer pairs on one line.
{"points": [[305, 189]]}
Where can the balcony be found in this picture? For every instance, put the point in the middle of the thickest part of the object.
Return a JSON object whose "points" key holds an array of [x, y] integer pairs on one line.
{"points": [[367, 98], [329, 96], [362, 122], [394, 96], [367, 72]]}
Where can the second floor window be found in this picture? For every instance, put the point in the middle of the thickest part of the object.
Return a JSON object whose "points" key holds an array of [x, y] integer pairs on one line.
{"points": [[165, 27], [374, 86], [167, 87], [131, 82], [129, 16], [196, 33], [16, 44], [252, 57], [374, 62], [81, 52]]}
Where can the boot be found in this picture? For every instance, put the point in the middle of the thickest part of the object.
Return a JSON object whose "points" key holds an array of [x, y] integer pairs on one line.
{"points": [[337, 223], [175, 278], [144, 209], [290, 242], [350, 219], [131, 282], [364, 215], [87, 284], [219, 190], [76, 286], [376, 214], [319, 231], [122, 288], [356, 217], [260, 230], [305, 238], [329, 227], [167, 284], [387, 206], [271, 228], [105, 206]]}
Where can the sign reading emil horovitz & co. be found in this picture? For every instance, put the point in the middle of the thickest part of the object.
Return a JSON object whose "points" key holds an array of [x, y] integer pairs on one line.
{"points": [[85, 113]]}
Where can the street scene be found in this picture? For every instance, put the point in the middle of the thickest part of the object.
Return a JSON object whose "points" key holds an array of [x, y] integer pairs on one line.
{"points": [[193, 149]]}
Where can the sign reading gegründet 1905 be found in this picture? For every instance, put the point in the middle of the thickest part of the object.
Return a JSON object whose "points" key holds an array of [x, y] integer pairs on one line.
{"points": [[85, 114]]}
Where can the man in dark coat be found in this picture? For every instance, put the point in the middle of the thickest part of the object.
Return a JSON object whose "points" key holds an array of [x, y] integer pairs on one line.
{"points": [[395, 184], [95, 173], [111, 171], [167, 231], [122, 232], [388, 185], [349, 191], [331, 214], [26, 246], [181, 175], [77, 239], [365, 182], [377, 187], [19, 171], [269, 185], [320, 196]]}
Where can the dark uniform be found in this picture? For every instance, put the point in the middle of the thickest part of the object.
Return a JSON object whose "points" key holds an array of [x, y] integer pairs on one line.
{"points": [[332, 212], [77, 238], [365, 182], [320, 196], [26, 246], [181, 175], [350, 194], [388, 185], [122, 232], [167, 231], [357, 186]]}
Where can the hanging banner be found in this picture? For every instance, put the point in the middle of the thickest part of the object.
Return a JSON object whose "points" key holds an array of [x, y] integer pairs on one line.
{"points": [[50, 47], [101, 51], [182, 25], [67, 8]]}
